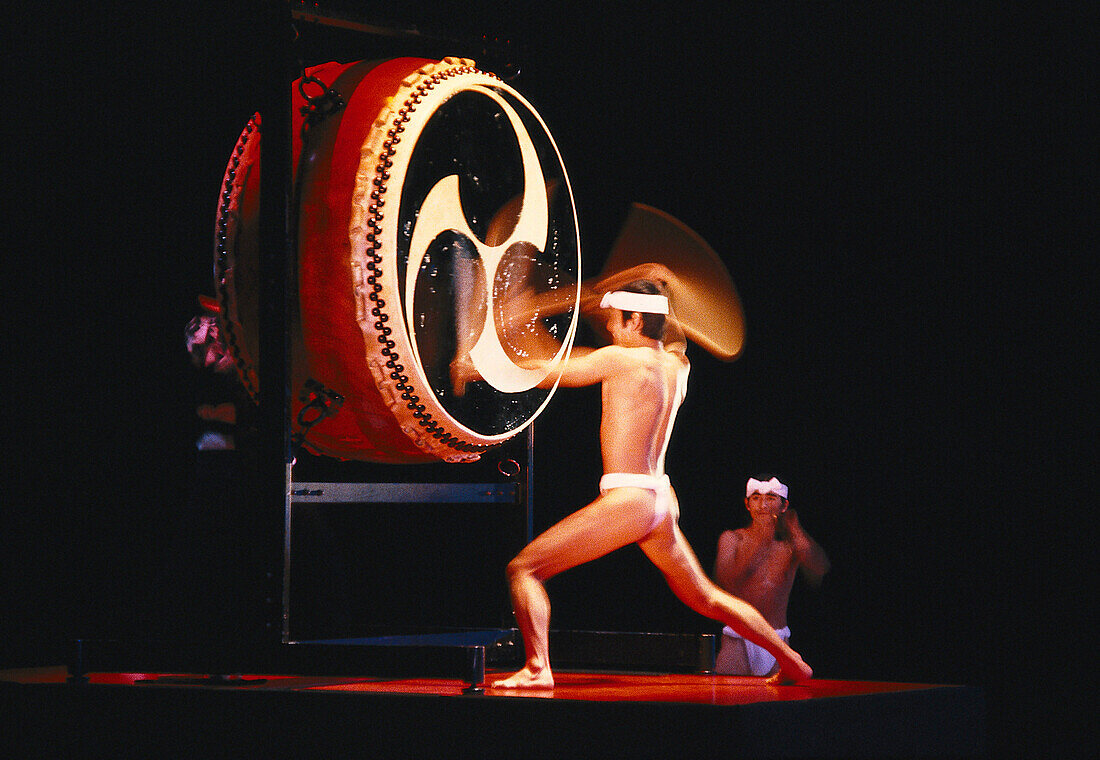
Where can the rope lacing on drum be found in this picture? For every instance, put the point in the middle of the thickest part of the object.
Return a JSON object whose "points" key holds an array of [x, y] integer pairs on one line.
{"points": [[227, 320]]}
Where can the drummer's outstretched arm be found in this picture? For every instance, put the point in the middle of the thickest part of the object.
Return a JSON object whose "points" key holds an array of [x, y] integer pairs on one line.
{"points": [[585, 366]]}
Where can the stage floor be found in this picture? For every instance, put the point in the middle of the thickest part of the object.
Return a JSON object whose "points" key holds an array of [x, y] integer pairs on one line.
{"points": [[586, 714], [569, 685]]}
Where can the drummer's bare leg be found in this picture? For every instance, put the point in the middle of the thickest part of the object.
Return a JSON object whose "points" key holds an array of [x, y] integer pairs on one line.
{"points": [[667, 548], [621, 516]]}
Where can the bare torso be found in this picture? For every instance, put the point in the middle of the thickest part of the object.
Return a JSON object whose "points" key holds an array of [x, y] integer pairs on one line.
{"points": [[638, 405], [762, 572]]}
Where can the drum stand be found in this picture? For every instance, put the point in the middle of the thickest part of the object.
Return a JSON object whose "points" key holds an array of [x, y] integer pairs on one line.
{"points": [[278, 240], [267, 647]]}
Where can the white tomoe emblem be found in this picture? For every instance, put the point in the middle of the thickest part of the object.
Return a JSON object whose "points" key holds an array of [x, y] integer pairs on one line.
{"points": [[442, 211]]}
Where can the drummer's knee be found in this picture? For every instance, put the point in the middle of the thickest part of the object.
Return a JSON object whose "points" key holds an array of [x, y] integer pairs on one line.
{"points": [[520, 567], [703, 600]]}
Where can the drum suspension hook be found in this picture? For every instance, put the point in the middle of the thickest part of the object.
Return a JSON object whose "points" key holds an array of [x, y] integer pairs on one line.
{"points": [[320, 403], [317, 107]]}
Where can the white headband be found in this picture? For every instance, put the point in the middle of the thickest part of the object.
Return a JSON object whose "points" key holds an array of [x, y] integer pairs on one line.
{"points": [[770, 486], [626, 301]]}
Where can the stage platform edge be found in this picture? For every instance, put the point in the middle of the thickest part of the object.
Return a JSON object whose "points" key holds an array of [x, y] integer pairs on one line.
{"points": [[332, 717]]}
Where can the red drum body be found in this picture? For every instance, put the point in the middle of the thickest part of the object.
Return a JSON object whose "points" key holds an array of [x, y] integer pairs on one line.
{"points": [[429, 205]]}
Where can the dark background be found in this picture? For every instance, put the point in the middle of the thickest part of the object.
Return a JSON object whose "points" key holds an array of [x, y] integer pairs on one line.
{"points": [[899, 192]]}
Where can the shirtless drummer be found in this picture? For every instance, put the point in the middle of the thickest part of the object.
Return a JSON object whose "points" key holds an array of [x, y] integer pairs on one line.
{"points": [[759, 564], [644, 380]]}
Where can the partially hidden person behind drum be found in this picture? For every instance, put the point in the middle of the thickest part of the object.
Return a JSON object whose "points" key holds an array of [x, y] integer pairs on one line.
{"points": [[643, 378], [206, 551], [219, 394], [759, 564]]}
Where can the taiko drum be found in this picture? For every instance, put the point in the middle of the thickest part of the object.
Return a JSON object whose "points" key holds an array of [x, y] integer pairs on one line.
{"points": [[430, 202]]}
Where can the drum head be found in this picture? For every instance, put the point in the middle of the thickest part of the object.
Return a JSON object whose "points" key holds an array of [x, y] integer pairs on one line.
{"points": [[431, 208]]}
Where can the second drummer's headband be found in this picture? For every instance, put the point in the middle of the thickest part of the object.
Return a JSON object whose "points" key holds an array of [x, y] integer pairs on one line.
{"points": [[765, 487], [627, 301]]}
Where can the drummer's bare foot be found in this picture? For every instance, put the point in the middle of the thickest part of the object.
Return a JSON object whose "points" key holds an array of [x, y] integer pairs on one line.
{"points": [[795, 672], [527, 679]]}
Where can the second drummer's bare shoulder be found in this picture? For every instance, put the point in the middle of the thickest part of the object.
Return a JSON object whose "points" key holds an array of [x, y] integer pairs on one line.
{"points": [[731, 539]]}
